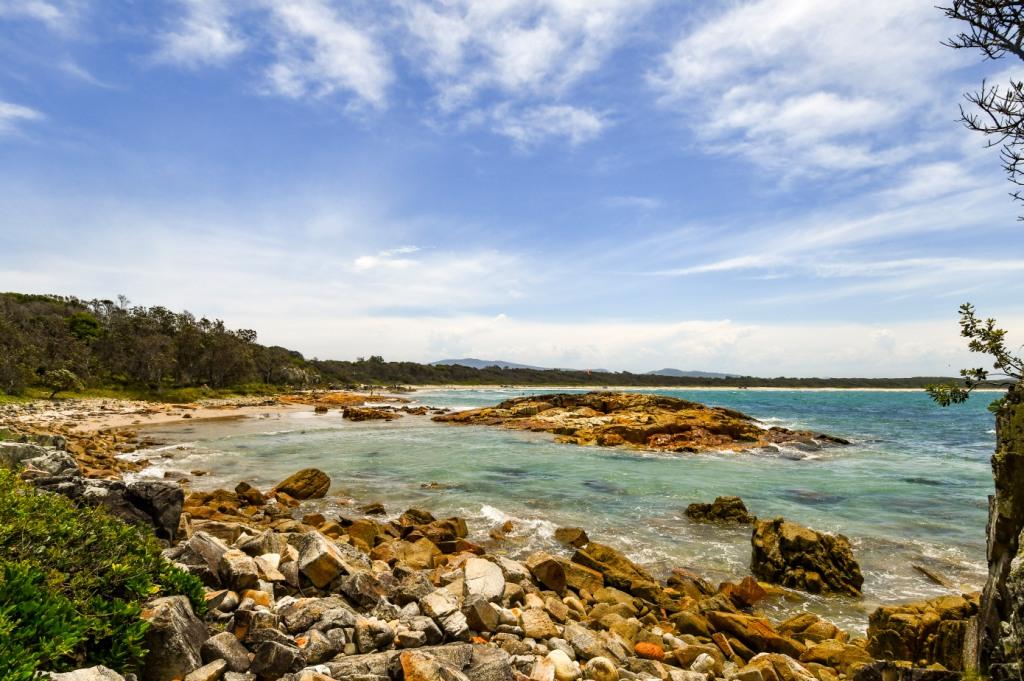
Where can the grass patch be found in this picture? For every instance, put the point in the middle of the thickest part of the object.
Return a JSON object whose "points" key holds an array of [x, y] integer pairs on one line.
{"points": [[72, 584]]}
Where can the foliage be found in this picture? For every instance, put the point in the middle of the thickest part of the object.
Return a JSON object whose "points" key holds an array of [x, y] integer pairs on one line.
{"points": [[61, 380], [84, 574], [986, 339], [36, 624], [996, 29], [118, 350]]}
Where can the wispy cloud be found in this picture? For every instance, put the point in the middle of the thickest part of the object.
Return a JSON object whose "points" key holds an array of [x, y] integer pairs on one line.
{"points": [[531, 126], [12, 115], [321, 53], [56, 14], [802, 86], [204, 35]]}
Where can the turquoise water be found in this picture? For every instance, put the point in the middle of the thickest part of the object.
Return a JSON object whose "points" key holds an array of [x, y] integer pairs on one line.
{"points": [[911, 489]]}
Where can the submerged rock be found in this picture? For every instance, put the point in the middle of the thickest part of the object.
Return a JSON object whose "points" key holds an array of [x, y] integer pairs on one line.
{"points": [[638, 421], [723, 510], [801, 558]]}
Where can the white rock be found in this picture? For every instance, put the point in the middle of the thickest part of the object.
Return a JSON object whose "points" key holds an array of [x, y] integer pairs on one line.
{"points": [[484, 578], [565, 668]]}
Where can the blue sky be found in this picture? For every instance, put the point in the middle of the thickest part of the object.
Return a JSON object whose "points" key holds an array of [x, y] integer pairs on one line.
{"points": [[768, 187]]}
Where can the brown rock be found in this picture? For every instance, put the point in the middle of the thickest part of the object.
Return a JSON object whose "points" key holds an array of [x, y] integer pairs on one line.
{"points": [[721, 510], [547, 570], [757, 633], [800, 558], [309, 483]]}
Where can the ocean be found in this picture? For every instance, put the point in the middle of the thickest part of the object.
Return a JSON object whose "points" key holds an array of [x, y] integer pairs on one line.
{"points": [[911, 490]]}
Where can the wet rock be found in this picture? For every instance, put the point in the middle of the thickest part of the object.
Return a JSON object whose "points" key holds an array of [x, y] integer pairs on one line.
{"points": [[800, 558], [174, 638], [575, 537], [224, 646], [547, 570], [309, 483], [369, 414], [721, 510]]}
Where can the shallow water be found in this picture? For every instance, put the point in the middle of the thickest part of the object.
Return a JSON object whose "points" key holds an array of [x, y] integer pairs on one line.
{"points": [[911, 489]]}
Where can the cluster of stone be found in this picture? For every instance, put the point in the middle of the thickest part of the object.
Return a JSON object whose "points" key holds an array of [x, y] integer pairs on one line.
{"points": [[412, 598]]}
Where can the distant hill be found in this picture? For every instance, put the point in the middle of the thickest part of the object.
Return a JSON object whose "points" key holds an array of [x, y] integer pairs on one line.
{"points": [[678, 373], [474, 363]]}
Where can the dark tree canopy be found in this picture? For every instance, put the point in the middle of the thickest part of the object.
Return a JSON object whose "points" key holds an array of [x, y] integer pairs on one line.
{"points": [[996, 28]]}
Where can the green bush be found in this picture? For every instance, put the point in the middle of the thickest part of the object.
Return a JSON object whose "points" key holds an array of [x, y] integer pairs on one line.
{"points": [[73, 583]]}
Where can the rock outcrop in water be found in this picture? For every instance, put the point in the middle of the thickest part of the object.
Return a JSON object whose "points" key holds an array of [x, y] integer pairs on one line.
{"points": [[639, 421], [801, 558], [721, 510], [923, 633], [999, 646]]}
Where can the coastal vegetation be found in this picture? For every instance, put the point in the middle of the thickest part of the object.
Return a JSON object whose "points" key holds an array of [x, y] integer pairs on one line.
{"points": [[52, 345], [73, 581]]}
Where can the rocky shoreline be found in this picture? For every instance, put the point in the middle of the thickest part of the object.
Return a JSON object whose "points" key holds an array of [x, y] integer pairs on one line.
{"points": [[294, 594], [640, 421]]}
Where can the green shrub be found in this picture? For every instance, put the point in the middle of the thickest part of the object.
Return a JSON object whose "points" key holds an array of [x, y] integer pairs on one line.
{"points": [[87, 573]]}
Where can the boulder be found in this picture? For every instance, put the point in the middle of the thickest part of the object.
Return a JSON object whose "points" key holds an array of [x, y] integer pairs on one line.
{"points": [[322, 560], [174, 638], [161, 501], [537, 625], [224, 646], [484, 579], [238, 571], [211, 671], [309, 483], [417, 666], [576, 537], [801, 558], [99, 673], [618, 571], [721, 510], [923, 633], [774, 667], [842, 657], [755, 632], [547, 570], [272, 660]]}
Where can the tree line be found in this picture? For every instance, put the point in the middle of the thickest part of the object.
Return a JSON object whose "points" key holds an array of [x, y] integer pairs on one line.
{"points": [[66, 343]]}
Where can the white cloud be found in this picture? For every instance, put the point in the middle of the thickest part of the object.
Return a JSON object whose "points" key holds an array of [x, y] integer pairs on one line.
{"points": [[316, 52], [205, 35], [56, 14], [320, 53], [518, 48], [803, 86], [531, 126], [11, 115]]}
